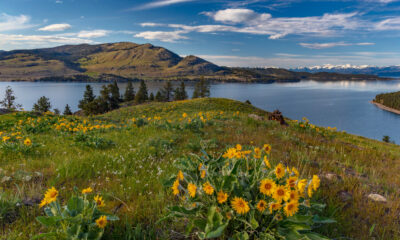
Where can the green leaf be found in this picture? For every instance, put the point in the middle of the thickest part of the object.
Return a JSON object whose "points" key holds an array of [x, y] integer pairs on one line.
{"points": [[318, 219], [217, 232], [254, 223], [183, 210], [44, 235], [48, 221], [315, 236], [75, 206], [300, 219]]}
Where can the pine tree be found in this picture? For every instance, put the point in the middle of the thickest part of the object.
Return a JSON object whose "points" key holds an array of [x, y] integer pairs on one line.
{"points": [[180, 92], [167, 91], [9, 100], [67, 110], [42, 105], [103, 101], [201, 89], [159, 97], [129, 92], [88, 97], [151, 98], [142, 94], [114, 98]]}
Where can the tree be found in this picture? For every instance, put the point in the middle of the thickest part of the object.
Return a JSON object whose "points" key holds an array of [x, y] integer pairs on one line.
{"points": [[167, 91], [56, 111], [159, 97], [9, 100], [67, 110], [103, 101], [180, 92], [142, 94], [115, 97], [151, 98], [42, 105], [88, 97], [129, 92], [201, 89]]}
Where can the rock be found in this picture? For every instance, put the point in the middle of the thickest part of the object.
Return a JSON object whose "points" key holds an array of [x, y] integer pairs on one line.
{"points": [[345, 196], [256, 117], [277, 116], [330, 177], [377, 198]]}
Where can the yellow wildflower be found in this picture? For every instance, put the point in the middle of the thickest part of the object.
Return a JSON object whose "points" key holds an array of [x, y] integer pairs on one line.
{"points": [[222, 197], [87, 190], [240, 205], [280, 171], [99, 201], [291, 208], [266, 162], [261, 205], [281, 193], [192, 190], [175, 187], [315, 182], [267, 187], [27, 142], [180, 175], [274, 206], [101, 221], [267, 148], [208, 189], [291, 182]]}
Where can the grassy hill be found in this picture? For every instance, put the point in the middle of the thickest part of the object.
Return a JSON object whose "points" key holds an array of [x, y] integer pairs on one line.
{"points": [[125, 60], [124, 155]]}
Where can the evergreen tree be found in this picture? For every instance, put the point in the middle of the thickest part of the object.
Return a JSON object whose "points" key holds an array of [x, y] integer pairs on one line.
{"points": [[201, 89], [115, 97], [180, 92], [142, 94], [67, 110], [151, 98], [88, 97], [9, 100], [42, 105], [159, 97], [129, 92], [167, 91], [56, 111], [103, 101]]}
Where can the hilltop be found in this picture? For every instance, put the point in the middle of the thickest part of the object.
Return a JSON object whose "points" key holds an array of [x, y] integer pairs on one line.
{"points": [[131, 150], [127, 61]]}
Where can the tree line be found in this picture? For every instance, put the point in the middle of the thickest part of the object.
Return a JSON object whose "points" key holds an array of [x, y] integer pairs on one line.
{"points": [[391, 100], [110, 98]]}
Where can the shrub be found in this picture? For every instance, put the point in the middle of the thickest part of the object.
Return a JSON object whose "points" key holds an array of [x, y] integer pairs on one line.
{"points": [[240, 195], [93, 141], [80, 218]]}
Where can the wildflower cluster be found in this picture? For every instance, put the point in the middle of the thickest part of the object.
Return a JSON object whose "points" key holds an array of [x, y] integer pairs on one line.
{"points": [[76, 125], [80, 218], [242, 193], [305, 124]]}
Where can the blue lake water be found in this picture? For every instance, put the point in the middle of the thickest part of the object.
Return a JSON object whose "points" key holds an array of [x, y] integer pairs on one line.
{"points": [[344, 104]]}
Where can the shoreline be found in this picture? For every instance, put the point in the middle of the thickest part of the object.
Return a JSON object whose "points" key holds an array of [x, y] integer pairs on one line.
{"points": [[383, 107]]}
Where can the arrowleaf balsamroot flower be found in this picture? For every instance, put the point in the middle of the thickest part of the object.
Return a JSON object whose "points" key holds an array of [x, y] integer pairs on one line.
{"points": [[291, 208], [180, 176], [279, 171], [261, 205], [266, 162], [222, 197], [101, 221], [87, 190], [192, 190], [315, 182], [27, 142], [274, 206], [99, 201], [240, 205], [208, 189], [175, 187], [267, 187], [291, 182], [281, 193]]}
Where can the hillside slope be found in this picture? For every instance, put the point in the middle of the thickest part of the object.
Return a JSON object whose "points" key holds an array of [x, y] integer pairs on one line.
{"points": [[130, 150], [125, 61]]}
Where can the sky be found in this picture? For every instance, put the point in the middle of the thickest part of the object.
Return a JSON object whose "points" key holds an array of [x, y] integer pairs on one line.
{"points": [[253, 33]]}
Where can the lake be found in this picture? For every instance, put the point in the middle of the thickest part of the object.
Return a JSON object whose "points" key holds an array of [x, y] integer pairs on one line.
{"points": [[344, 104]]}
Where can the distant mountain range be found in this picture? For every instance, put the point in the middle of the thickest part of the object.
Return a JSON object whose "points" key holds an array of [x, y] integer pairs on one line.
{"points": [[128, 61], [389, 71]]}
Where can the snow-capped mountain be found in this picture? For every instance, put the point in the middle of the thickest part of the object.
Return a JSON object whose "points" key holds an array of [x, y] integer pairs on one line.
{"points": [[389, 71]]}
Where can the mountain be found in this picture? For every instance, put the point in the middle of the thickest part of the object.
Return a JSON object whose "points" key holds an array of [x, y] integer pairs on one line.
{"points": [[388, 71], [126, 61]]}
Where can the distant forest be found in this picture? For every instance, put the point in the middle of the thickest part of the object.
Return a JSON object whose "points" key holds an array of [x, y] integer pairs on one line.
{"points": [[391, 100]]}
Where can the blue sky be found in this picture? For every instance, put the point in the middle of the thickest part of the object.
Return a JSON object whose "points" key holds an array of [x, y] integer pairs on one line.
{"points": [[255, 33]]}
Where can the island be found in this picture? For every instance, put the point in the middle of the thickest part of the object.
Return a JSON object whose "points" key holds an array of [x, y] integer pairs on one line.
{"points": [[388, 101]]}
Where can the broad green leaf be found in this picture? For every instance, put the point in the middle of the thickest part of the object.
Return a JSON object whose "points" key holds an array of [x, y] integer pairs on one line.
{"points": [[48, 221], [44, 235], [318, 219], [75, 206], [315, 236], [217, 232]]}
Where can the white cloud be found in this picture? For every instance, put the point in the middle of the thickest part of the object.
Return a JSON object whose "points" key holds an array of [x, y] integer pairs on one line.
{"points": [[333, 44], [10, 41], [162, 36], [238, 15], [93, 33], [56, 27], [160, 3], [388, 24], [9, 23], [151, 24]]}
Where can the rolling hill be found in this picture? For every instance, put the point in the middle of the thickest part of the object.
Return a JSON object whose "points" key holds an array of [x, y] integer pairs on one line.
{"points": [[126, 61]]}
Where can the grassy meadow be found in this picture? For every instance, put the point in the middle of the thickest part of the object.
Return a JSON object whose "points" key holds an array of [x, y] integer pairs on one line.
{"points": [[126, 154]]}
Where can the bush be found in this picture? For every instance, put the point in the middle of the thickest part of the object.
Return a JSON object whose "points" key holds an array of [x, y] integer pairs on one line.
{"points": [[80, 218], [92, 141], [240, 196]]}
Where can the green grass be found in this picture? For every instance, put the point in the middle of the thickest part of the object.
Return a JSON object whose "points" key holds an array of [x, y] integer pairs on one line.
{"points": [[127, 163]]}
